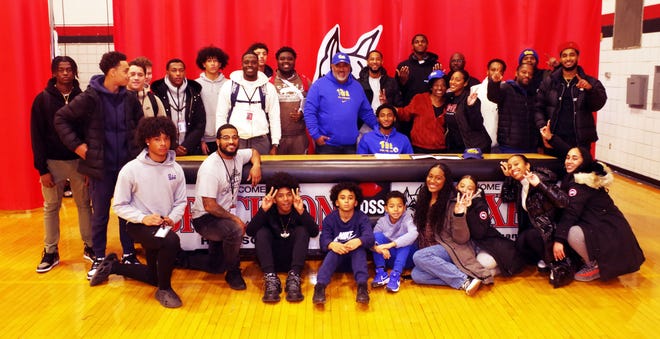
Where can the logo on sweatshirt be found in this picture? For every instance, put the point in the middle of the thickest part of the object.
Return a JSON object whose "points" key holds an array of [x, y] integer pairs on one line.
{"points": [[343, 95], [344, 236], [171, 176]]}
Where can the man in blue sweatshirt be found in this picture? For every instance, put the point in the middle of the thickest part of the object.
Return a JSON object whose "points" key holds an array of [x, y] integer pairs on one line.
{"points": [[385, 139], [99, 125], [334, 103]]}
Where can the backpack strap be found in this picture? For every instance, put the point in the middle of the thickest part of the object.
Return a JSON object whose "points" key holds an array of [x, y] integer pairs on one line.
{"points": [[232, 98], [154, 104]]}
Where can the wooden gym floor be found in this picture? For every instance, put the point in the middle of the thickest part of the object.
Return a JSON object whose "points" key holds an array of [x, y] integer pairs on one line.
{"points": [[60, 303]]}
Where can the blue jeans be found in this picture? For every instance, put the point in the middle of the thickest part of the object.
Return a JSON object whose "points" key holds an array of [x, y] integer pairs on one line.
{"points": [[400, 258], [100, 192], [433, 266], [327, 149], [358, 259]]}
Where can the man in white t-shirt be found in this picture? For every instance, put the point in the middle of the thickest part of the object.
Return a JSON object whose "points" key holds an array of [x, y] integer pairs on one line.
{"points": [[216, 191], [489, 108]]}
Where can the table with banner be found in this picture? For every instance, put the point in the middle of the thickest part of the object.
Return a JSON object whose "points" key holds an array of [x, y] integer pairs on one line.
{"points": [[376, 176]]}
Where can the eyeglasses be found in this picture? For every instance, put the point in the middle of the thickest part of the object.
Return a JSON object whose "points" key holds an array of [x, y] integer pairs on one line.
{"points": [[229, 137]]}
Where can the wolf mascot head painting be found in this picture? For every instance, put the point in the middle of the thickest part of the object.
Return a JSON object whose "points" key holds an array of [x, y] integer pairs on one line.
{"points": [[331, 44]]}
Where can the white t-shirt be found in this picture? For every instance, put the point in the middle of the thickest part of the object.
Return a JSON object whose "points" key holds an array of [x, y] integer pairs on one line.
{"points": [[219, 178]]}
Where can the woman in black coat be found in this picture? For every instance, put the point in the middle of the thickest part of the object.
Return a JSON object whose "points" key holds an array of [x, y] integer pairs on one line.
{"points": [[496, 252], [592, 225], [538, 200]]}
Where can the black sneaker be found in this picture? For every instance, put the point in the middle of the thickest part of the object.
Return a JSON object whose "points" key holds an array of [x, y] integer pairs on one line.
{"points": [[130, 259], [168, 298], [319, 294], [103, 270], [88, 253], [235, 280], [292, 288], [272, 288], [48, 261], [362, 294], [95, 265]]}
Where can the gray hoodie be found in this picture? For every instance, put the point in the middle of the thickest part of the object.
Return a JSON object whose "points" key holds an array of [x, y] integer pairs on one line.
{"points": [[147, 187]]}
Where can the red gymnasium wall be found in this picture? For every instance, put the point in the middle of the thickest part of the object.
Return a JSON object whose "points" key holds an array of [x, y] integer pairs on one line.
{"points": [[481, 29]]}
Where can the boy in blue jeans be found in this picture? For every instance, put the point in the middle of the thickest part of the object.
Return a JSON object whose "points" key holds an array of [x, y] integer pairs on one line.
{"points": [[395, 235], [346, 235]]}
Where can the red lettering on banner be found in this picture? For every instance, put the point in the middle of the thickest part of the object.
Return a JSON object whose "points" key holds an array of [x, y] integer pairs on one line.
{"points": [[508, 220], [251, 204], [185, 225]]}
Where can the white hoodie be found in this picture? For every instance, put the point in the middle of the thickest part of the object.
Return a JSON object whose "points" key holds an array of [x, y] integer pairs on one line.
{"points": [[147, 187], [256, 123]]}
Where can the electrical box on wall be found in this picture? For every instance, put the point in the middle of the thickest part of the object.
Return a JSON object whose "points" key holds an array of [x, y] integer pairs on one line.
{"points": [[636, 90], [656, 90]]}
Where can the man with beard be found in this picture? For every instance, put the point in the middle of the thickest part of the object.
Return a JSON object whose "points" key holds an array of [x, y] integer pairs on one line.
{"points": [[412, 72], [183, 104], [385, 139], [334, 104], [457, 62], [250, 103], [216, 192], [516, 131], [565, 103], [291, 89], [529, 56], [379, 87]]}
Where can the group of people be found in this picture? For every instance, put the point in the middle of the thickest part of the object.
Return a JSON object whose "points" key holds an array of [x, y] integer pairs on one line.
{"points": [[123, 133]]}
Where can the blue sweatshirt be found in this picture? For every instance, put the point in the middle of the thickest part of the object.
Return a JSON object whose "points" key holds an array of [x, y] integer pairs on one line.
{"points": [[376, 142], [332, 109], [334, 229]]}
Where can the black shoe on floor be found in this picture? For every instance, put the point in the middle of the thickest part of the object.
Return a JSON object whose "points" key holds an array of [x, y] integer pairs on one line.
{"points": [[362, 294], [168, 298], [48, 261], [235, 280], [272, 288], [319, 294], [292, 288], [103, 270]]}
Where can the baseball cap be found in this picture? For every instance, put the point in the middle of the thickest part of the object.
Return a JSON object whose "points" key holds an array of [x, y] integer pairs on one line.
{"points": [[528, 51], [569, 44], [473, 153], [340, 57], [437, 74]]}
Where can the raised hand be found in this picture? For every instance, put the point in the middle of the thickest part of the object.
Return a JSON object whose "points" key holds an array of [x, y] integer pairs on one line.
{"points": [[532, 178], [268, 200], [506, 169], [297, 201]]}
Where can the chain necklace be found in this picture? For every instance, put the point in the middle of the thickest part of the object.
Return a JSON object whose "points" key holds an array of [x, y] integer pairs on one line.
{"points": [[285, 228]]}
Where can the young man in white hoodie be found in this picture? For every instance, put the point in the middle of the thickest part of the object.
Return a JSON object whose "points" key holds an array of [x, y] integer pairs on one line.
{"points": [[250, 102], [151, 195]]}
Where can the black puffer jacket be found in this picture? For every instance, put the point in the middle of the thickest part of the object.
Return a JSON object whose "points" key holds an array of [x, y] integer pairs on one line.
{"points": [[387, 83], [83, 121], [548, 104], [543, 201], [490, 240], [515, 107]]}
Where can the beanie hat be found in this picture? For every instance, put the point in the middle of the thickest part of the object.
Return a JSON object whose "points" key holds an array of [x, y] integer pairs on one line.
{"points": [[528, 51]]}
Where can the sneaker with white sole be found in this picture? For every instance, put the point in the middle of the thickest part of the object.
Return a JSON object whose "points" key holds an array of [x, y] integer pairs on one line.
{"points": [[130, 259], [394, 283], [381, 278], [95, 265], [88, 253], [48, 261]]}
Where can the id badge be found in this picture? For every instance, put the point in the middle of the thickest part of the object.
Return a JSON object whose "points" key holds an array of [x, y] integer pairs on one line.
{"points": [[249, 116], [181, 125], [162, 231]]}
